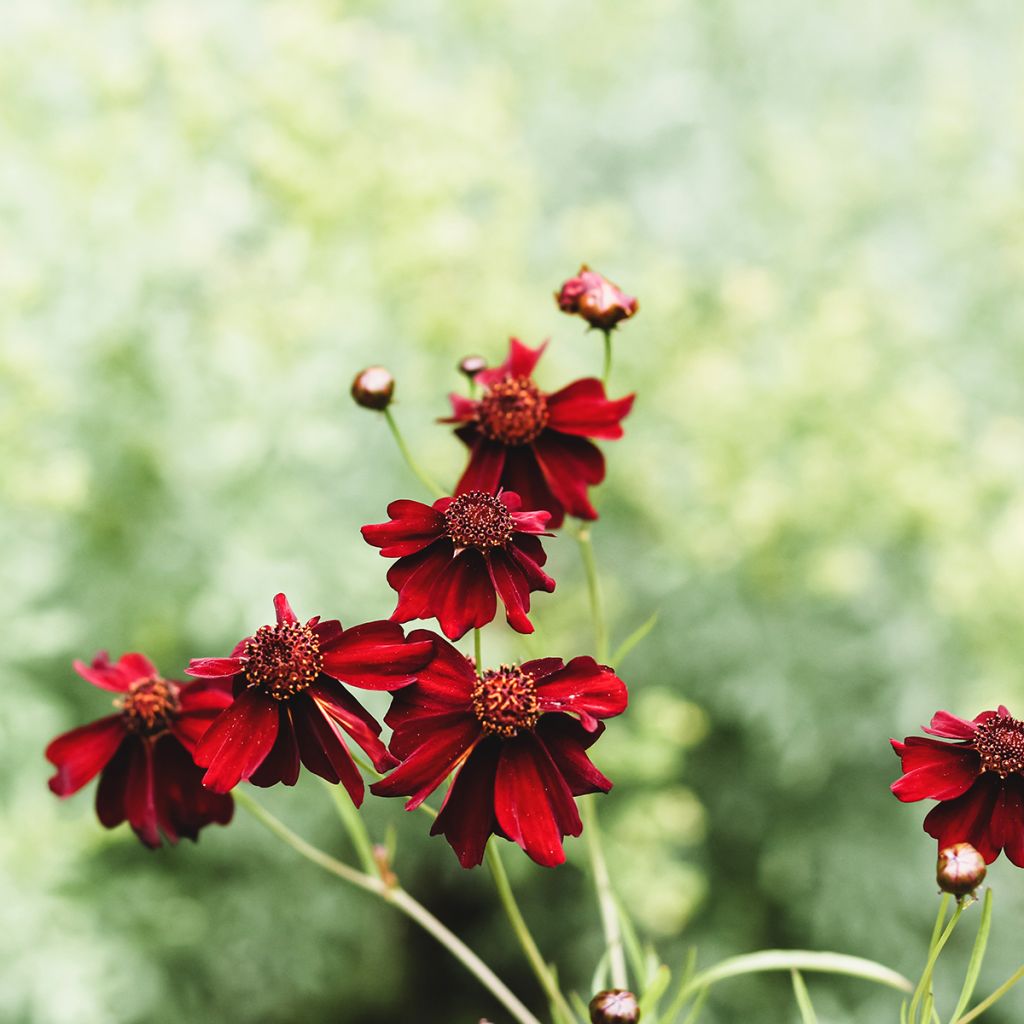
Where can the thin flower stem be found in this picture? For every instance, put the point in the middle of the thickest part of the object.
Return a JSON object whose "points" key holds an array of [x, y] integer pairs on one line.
{"points": [[607, 372], [924, 985], [410, 461], [594, 590], [526, 940], [398, 898], [355, 826], [476, 651], [994, 998], [977, 956], [803, 997], [940, 920]]}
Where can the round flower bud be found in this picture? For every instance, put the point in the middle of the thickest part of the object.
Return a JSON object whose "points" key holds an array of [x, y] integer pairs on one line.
{"points": [[373, 388], [614, 1006], [961, 869], [472, 365], [600, 302]]}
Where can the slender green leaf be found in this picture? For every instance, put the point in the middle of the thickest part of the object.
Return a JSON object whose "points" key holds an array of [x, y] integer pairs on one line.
{"points": [[578, 1005], [638, 634], [698, 1005], [977, 956], [599, 981], [633, 948], [677, 1004], [803, 997], [652, 995]]}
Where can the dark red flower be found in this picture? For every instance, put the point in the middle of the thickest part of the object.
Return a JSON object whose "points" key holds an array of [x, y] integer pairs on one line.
{"points": [[457, 556], [601, 303], [526, 440], [143, 754], [290, 705], [508, 735], [978, 781]]}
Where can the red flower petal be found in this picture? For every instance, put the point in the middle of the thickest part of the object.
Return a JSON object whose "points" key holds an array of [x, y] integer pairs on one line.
{"points": [[110, 792], [466, 818], [130, 668], [183, 805], [450, 742], [80, 754], [323, 750], [215, 668], [532, 803], [567, 741], [523, 474], [1013, 819], [584, 688], [376, 656], [464, 410], [413, 527], [282, 763], [952, 728], [940, 771], [338, 704], [536, 578], [207, 695], [328, 633], [541, 668], [463, 597], [583, 408], [283, 610], [414, 577], [966, 819], [513, 587], [531, 522], [521, 362], [486, 461], [140, 796], [570, 465], [238, 741]]}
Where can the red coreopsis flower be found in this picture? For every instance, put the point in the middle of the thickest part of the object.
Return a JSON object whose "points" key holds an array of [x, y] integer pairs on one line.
{"points": [[978, 781], [143, 754], [593, 297], [533, 442], [509, 735], [456, 557], [290, 705]]}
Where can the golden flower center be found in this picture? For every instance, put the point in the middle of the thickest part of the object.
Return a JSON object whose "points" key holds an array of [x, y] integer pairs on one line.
{"points": [[505, 701], [283, 660], [149, 706], [478, 520], [1000, 742], [513, 411]]}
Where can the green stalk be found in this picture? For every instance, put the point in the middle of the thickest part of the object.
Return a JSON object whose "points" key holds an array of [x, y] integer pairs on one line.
{"points": [[803, 997], [355, 826], [409, 460], [994, 998], [977, 956], [594, 590], [476, 651], [399, 899], [607, 372], [933, 955], [526, 940]]}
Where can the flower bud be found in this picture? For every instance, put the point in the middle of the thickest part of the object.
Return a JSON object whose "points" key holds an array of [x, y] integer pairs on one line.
{"points": [[472, 365], [614, 1006], [373, 388], [601, 303], [961, 869]]}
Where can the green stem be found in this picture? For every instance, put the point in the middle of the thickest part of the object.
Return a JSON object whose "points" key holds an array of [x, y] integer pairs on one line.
{"points": [[977, 956], [399, 899], [355, 826], [605, 897], [594, 590], [522, 930], [410, 461], [924, 984], [607, 372], [476, 651], [994, 998]]}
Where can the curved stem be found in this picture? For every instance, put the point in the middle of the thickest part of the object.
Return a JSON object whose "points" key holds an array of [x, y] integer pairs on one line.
{"points": [[977, 956], [924, 984], [398, 898], [476, 651], [994, 998], [410, 461], [607, 372], [605, 897], [355, 826], [594, 590], [522, 930]]}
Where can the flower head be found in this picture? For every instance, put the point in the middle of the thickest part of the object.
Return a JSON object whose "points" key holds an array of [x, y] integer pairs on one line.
{"points": [[978, 781], [960, 869], [458, 555], [510, 737], [290, 705], [373, 388], [534, 442], [143, 754], [593, 297], [614, 1006]]}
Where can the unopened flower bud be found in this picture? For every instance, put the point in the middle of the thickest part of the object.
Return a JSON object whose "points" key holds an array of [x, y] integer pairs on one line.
{"points": [[373, 388], [601, 303], [472, 365], [614, 1006], [961, 869]]}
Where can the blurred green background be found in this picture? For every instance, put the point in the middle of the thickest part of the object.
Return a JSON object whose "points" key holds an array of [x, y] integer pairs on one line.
{"points": [[213, 214]]}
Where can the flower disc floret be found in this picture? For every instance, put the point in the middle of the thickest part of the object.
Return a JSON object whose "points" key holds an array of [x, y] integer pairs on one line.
{"points": [[1000, 742], [149, 706], [479, 520], [283, 660], [513, 411], [505, 701]]}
